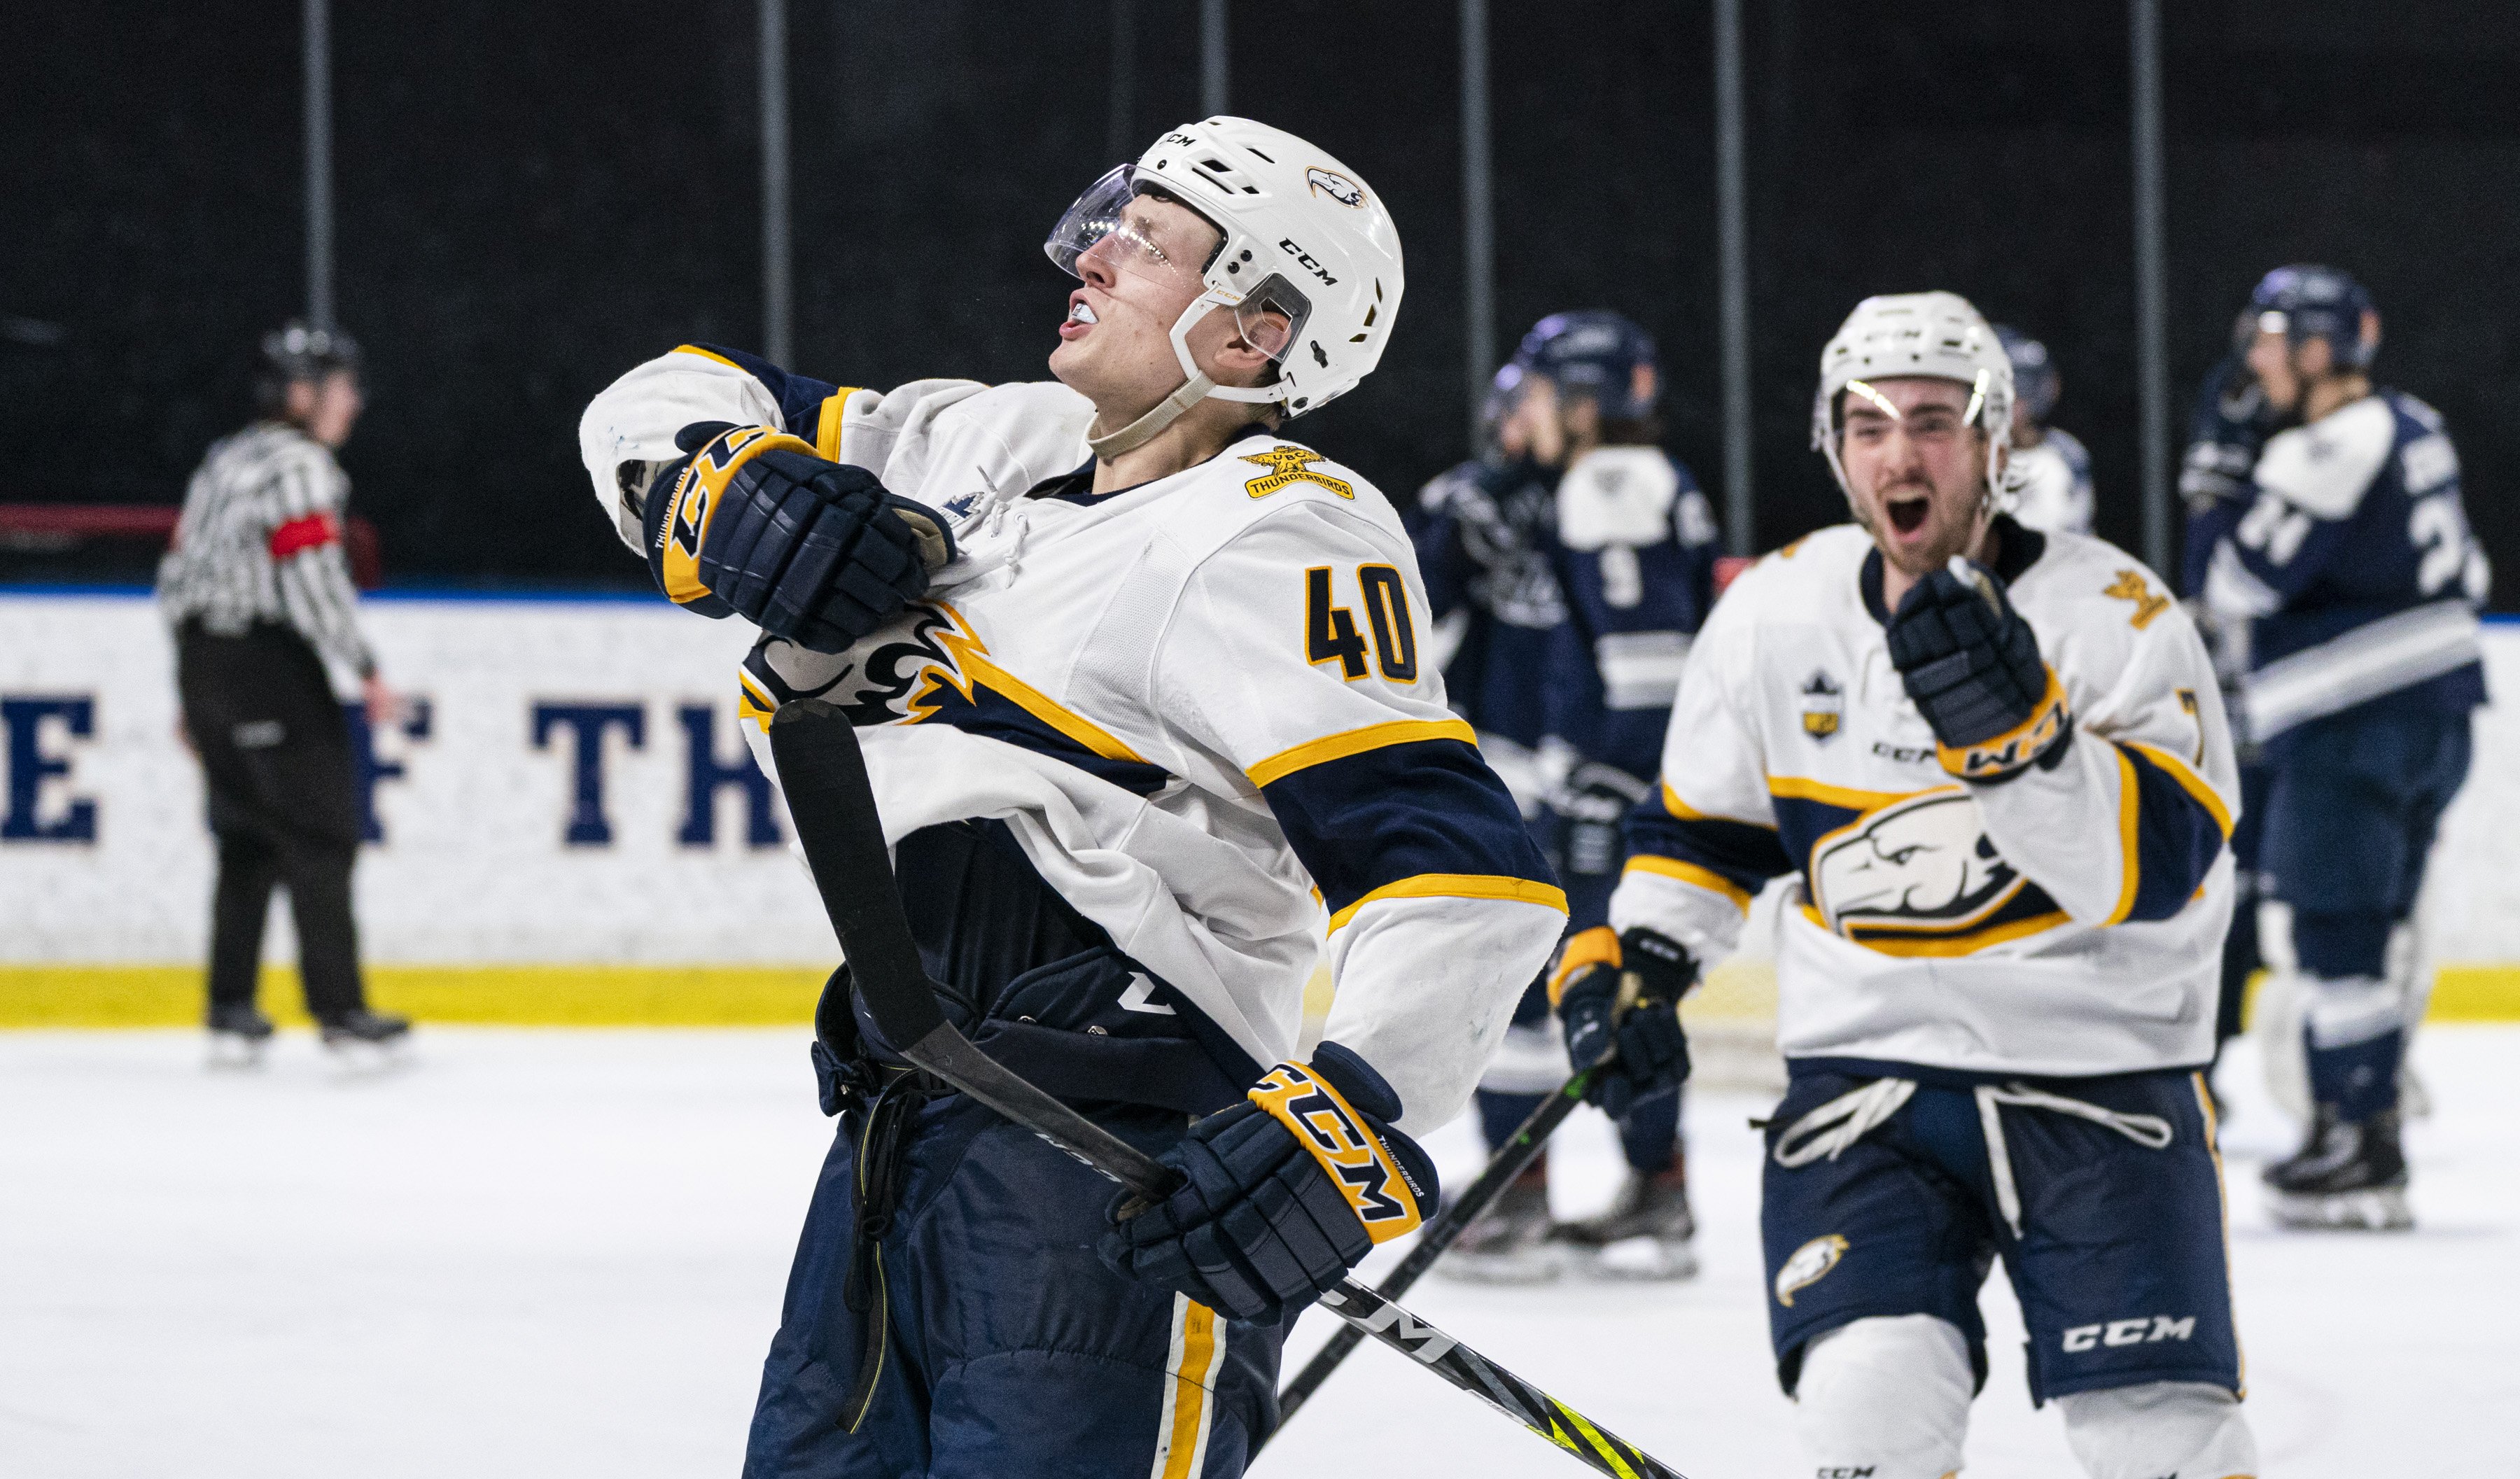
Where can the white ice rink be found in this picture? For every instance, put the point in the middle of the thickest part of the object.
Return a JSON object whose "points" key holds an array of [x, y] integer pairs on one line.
{"points": [[561, 1253]]}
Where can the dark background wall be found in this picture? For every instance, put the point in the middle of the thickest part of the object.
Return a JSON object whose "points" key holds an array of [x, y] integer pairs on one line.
{"points": [[532, 197]]}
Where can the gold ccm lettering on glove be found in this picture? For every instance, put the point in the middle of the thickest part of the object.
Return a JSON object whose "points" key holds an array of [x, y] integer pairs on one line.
{"points": [[695, 499], [1325, 1125], [2016, 746]]}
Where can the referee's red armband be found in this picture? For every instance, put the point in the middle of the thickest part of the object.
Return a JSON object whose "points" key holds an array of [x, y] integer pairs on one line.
{"points": [[312, 532]]}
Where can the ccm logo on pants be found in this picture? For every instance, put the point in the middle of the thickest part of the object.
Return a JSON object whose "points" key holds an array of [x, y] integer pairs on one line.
{"points": [[2140, 1331]]}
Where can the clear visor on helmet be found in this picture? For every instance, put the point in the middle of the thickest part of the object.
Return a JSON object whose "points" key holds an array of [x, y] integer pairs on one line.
{"points": [[1100, 220]]}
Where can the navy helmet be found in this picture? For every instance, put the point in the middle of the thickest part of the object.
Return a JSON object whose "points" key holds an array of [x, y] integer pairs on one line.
{"points": [[2035, 385], [297, 352], [1595, 354], [2306, 303]]}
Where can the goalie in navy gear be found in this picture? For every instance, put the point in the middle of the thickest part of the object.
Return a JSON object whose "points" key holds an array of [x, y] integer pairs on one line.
{"points": [[1616, 534], [1147, 700], [1993, 764], [2348, 567]]}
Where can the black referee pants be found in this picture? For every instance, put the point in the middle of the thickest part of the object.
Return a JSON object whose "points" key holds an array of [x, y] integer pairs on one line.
{"points": [[276, 754]]}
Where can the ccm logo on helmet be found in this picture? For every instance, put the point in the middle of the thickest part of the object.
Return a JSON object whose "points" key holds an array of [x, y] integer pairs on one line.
{"points": [[1287, 244], [1338, 187]]}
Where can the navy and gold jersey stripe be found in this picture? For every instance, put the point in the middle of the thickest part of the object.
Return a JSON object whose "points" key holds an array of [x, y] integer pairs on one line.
{"points": [[1403, 810], [2170, 828], [808, 408], [1357, 741], [1668, 836]]}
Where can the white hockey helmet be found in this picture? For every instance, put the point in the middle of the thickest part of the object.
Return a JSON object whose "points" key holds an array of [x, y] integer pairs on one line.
{"points": [[1940, 335], [1303, 237]]}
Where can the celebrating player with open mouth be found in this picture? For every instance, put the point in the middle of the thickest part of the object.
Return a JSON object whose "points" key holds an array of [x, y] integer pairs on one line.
{"points": [[1141, 689], [1997, 763]]}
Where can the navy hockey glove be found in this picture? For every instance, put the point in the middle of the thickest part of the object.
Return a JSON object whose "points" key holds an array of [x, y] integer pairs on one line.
{"points": [[752, 523], [1621, 992], [1285, 1192], [1972, 666], [1591, 806]]}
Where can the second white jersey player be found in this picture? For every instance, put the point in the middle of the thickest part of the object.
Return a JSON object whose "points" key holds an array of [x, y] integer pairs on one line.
{"points": [[2055, 924]]}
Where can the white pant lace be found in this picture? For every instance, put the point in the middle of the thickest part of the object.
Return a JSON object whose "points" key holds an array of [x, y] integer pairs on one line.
{"points": [[1827, 1131]]}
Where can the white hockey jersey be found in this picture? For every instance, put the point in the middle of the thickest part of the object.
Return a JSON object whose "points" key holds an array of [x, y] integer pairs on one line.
{"points": [[1200, 705], [2066, 921]]}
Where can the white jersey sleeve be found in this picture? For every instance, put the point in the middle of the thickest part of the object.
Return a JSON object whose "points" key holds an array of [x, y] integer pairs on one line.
{"points": [[1294, 672], [2150, 761]]}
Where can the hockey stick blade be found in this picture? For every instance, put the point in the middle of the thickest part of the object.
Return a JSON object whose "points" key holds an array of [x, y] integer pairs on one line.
{"points": [[823, 774], [1515, 1156]]}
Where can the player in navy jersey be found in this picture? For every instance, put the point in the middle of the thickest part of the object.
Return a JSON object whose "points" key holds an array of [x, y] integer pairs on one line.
{"points": [[2354, 571], [1629, 545]]}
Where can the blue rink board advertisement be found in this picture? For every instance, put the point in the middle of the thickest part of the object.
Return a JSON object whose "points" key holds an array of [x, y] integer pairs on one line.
{"points": [[570, 787]]}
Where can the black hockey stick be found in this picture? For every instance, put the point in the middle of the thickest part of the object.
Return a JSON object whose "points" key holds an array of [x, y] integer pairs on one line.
{"points": [[824, 777], [1511, 1161]]}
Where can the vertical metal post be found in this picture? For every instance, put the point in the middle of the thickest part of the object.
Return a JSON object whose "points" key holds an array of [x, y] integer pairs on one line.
{"points": [[778, 283], [1478, 210], [1213, 74], [2151, 285], [1732, 266], [318, 43], [1124, 142]]}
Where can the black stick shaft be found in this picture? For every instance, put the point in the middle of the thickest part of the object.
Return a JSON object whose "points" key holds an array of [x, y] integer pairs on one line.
{"points": [[823, 774], [1511, 1160]]}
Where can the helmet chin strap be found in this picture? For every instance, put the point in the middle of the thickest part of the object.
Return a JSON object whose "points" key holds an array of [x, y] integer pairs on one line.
{"points": [[1195, 386], [1160, 415]]}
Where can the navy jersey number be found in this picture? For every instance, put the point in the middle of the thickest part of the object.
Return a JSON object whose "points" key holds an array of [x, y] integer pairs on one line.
{"points": [[1387, 614], [1330, 633]]}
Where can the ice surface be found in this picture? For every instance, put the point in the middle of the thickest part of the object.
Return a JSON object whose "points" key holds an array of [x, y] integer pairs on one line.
{"points": [[553, 1253]]}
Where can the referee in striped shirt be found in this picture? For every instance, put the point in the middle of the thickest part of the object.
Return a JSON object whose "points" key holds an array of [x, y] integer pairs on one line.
{"points": [[258, 593]]}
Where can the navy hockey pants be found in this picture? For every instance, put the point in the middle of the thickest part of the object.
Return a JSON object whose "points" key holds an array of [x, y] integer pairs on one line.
{"points": [[2120, 1260], [2351, 815], [2355, 801], [1012, 1349]]}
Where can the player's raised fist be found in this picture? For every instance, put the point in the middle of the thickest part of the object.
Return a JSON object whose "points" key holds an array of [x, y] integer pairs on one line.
{"points": [[1283, 1193], [1972, 667], [753, 523], [1620, 995]]}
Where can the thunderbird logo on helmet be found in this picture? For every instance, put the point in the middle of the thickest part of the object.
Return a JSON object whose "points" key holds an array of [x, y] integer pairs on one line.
{"points": [[1338, 187]]}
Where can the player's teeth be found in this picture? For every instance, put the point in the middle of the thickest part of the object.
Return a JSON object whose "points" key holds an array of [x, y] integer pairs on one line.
{"points": [[1082, 314]]}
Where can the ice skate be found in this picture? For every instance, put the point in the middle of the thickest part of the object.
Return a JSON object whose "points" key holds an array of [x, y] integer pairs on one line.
{"points": [[2348, 1176], [1646, 1235], [1509, 1242], [239, 1036], [368, 1042]]}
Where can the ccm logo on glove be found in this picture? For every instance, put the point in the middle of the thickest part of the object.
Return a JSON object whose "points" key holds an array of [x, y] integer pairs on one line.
{"points": [[1377, 1189]]}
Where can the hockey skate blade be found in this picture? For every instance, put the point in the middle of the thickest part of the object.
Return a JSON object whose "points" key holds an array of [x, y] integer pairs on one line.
{"points": [[1643, 1259], [2376, 1209], [357, 1061], [235, 1053]]}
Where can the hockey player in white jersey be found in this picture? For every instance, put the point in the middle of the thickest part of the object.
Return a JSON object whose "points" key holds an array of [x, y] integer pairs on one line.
{"points": [[1996, 766], [2050, 470], [1143, 698]]}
